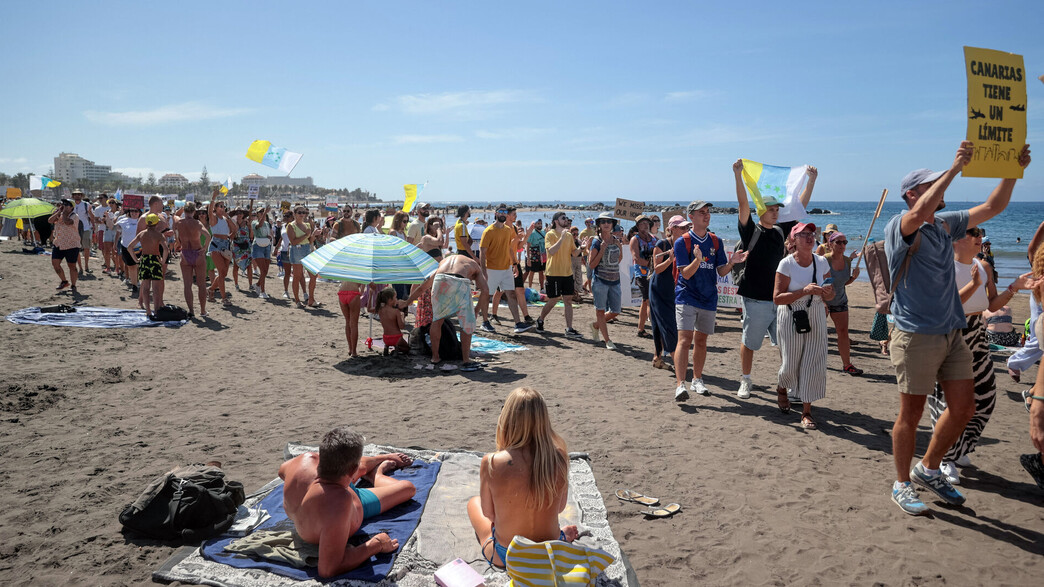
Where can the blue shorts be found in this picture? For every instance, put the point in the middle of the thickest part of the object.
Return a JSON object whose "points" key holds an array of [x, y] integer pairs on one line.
{"points": [[606, 295], [259, 252], [758, 317], [298, 252], [219, 244], [108, 236], [371, 504]]}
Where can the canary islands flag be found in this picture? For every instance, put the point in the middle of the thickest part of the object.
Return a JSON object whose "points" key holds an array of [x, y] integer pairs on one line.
{"points": [[412, 191], [225, 187], [784, 184], [39, 182], [275, 157]]}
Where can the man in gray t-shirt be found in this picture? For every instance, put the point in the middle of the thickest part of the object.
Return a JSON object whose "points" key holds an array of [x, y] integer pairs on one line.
{"points": [[927, 344]]}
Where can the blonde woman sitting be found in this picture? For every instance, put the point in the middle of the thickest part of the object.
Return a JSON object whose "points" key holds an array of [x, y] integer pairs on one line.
{"points": [[524, 485]]}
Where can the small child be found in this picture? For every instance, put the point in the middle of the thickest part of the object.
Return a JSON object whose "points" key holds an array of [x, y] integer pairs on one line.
{"points": [[391, 321]]}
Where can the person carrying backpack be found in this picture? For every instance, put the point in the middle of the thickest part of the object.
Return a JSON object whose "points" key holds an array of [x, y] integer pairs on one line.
{"points": [[699, 260], [764, 242]]}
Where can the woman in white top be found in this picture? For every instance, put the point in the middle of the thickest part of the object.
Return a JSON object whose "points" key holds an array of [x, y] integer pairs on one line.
{"points": [[373, 222], [978, 294], [261, 248], [802, 285]]}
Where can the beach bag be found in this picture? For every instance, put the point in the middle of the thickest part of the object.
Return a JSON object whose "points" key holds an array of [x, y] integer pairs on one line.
{"points": [[189, 503], [169, 313], [738, 268], [449, 345], [555, 562]]}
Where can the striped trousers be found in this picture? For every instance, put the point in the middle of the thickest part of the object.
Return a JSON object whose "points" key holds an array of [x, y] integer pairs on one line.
{"points": [[985, 390], [804, 355]]}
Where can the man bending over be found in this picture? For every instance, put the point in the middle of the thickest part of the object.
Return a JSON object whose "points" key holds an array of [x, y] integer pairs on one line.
{"points": [[320, 497]]}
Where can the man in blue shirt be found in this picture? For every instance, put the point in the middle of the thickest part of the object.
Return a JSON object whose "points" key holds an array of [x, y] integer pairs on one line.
{"points": [[700, 259], [927, 345]]}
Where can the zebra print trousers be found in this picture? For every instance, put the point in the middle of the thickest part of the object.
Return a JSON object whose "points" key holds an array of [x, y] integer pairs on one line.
{"points": [[985, 391]]}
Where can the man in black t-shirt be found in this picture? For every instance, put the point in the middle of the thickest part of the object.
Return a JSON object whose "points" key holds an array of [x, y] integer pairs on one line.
{"points": [[756, 285]]}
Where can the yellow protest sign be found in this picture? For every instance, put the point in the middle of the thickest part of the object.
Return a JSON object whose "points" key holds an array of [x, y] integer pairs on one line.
{"points": [[14, 193], [284, 205], [996, 112]]}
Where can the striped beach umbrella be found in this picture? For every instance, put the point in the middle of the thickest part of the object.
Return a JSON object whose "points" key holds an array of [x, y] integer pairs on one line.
{"points": [[371, 258]]}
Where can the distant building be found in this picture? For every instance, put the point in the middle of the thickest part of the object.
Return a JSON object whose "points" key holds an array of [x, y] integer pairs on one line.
{"points": [[301, 182], [72, 167], [175, 180], [253, 179]]}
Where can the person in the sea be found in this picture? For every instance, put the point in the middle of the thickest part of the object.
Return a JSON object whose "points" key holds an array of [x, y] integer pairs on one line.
{"points": [[524, 485], [321, 499]]}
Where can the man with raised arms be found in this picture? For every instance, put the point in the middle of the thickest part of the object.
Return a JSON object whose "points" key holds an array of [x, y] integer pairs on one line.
{"points": [[321, 499]]}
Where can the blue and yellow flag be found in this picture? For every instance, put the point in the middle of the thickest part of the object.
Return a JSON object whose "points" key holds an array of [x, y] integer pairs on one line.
{"points": [[783, 184], [39, 182], [275, 157], [412, 191]]}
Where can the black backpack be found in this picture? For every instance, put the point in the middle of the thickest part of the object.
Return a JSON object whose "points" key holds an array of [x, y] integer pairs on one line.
{"points": [[188, 504], [170, 313], [449, 344]]}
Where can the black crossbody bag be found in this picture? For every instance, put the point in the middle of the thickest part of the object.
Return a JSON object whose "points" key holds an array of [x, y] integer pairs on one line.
{"points": [[800, 317]]}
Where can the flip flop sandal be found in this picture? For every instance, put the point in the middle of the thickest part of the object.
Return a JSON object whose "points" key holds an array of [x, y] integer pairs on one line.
{"points": [[808, 423], [634, 496], [664, 512], [1026, 401], [853, 370]]}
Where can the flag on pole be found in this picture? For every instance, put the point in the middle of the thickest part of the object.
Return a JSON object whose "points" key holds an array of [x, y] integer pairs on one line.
{"points": [[782, 183], [118, 196], [275, 157], [39, 182], [225, 187], [412, 192]]}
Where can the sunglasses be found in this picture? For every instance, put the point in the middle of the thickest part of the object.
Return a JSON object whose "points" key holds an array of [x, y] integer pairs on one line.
{"points": [[605, 222], [840, 242], [807, 236]]}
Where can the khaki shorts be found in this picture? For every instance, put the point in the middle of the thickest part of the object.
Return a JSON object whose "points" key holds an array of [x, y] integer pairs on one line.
{"points": [[922, 359]]}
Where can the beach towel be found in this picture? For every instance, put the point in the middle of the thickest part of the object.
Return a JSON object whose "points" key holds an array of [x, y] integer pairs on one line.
{"points": [[399, 522], [488, 345], [444, 532], [90, 317]]}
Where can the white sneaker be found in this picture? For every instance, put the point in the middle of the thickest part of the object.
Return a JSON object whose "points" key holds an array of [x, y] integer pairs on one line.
{"points": [[286, 295], [609, 345], [963, 461], [263, 295], [949, 470], [681, 394], [746, 385], [698, 387]]}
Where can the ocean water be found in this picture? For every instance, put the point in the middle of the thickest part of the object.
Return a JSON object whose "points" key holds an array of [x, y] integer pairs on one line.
{"points": [[1019, 221]]}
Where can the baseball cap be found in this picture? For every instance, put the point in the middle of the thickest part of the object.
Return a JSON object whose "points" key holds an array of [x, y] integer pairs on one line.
{"points": [[802, 227], [151, 219], [985, 240], [678, 221], [916, 178], [559, 215], [770, 201], [422, 205], [697, 205]]}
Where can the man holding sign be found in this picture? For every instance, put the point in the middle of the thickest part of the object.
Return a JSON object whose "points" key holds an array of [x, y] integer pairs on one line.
{"points": [[928, 344]]}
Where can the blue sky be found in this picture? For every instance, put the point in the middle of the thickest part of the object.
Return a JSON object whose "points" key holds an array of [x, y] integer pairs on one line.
{"points": [[510, 101]]}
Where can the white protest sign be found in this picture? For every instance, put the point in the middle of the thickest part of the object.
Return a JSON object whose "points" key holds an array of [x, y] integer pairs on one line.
{"points": [[252, 192]]}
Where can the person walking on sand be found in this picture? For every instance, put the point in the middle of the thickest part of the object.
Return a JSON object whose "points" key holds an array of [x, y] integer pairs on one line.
{"points": [[82, 209], [928, 344], [662, 304], [222, 228], [66, 241], [606, 251], [192, 238], [498, 245], [561, 250], [300, 236], [261, 249], [701, 259], [125, 233], [641, 245], [841, 271], [764, 242], [524, 485], [150, 264]]}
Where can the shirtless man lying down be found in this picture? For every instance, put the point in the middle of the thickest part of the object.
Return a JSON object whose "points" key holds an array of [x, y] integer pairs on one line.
{"points": [[320, 497]]}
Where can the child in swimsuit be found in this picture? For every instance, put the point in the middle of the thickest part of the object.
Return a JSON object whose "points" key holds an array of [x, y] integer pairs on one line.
{"points": [[392, 321], [349, 298]]}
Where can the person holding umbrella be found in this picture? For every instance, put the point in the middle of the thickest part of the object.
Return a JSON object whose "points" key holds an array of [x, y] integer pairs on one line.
{"points": [[66, 243]]}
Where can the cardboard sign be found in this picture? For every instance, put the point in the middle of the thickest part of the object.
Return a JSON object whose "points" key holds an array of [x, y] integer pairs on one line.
{"points": [[136, 201], [284, 205], [252, 192], [996, 112], [728, 292], [628, 209], [190, 197], [666, 216]]}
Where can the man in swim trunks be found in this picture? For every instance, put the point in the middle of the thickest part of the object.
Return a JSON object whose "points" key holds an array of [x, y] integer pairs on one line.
{"points": [[451, 295], [150, 264], [320, 498], [188, 230]]}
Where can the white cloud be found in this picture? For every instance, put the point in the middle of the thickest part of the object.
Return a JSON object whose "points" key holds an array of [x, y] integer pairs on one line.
{"points": [[185, 112], [426, 139], [686, 96], [515, 134], [456, 102]]}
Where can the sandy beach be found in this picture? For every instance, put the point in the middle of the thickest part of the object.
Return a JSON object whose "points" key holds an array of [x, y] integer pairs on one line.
{"points": [[89, 416]]}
